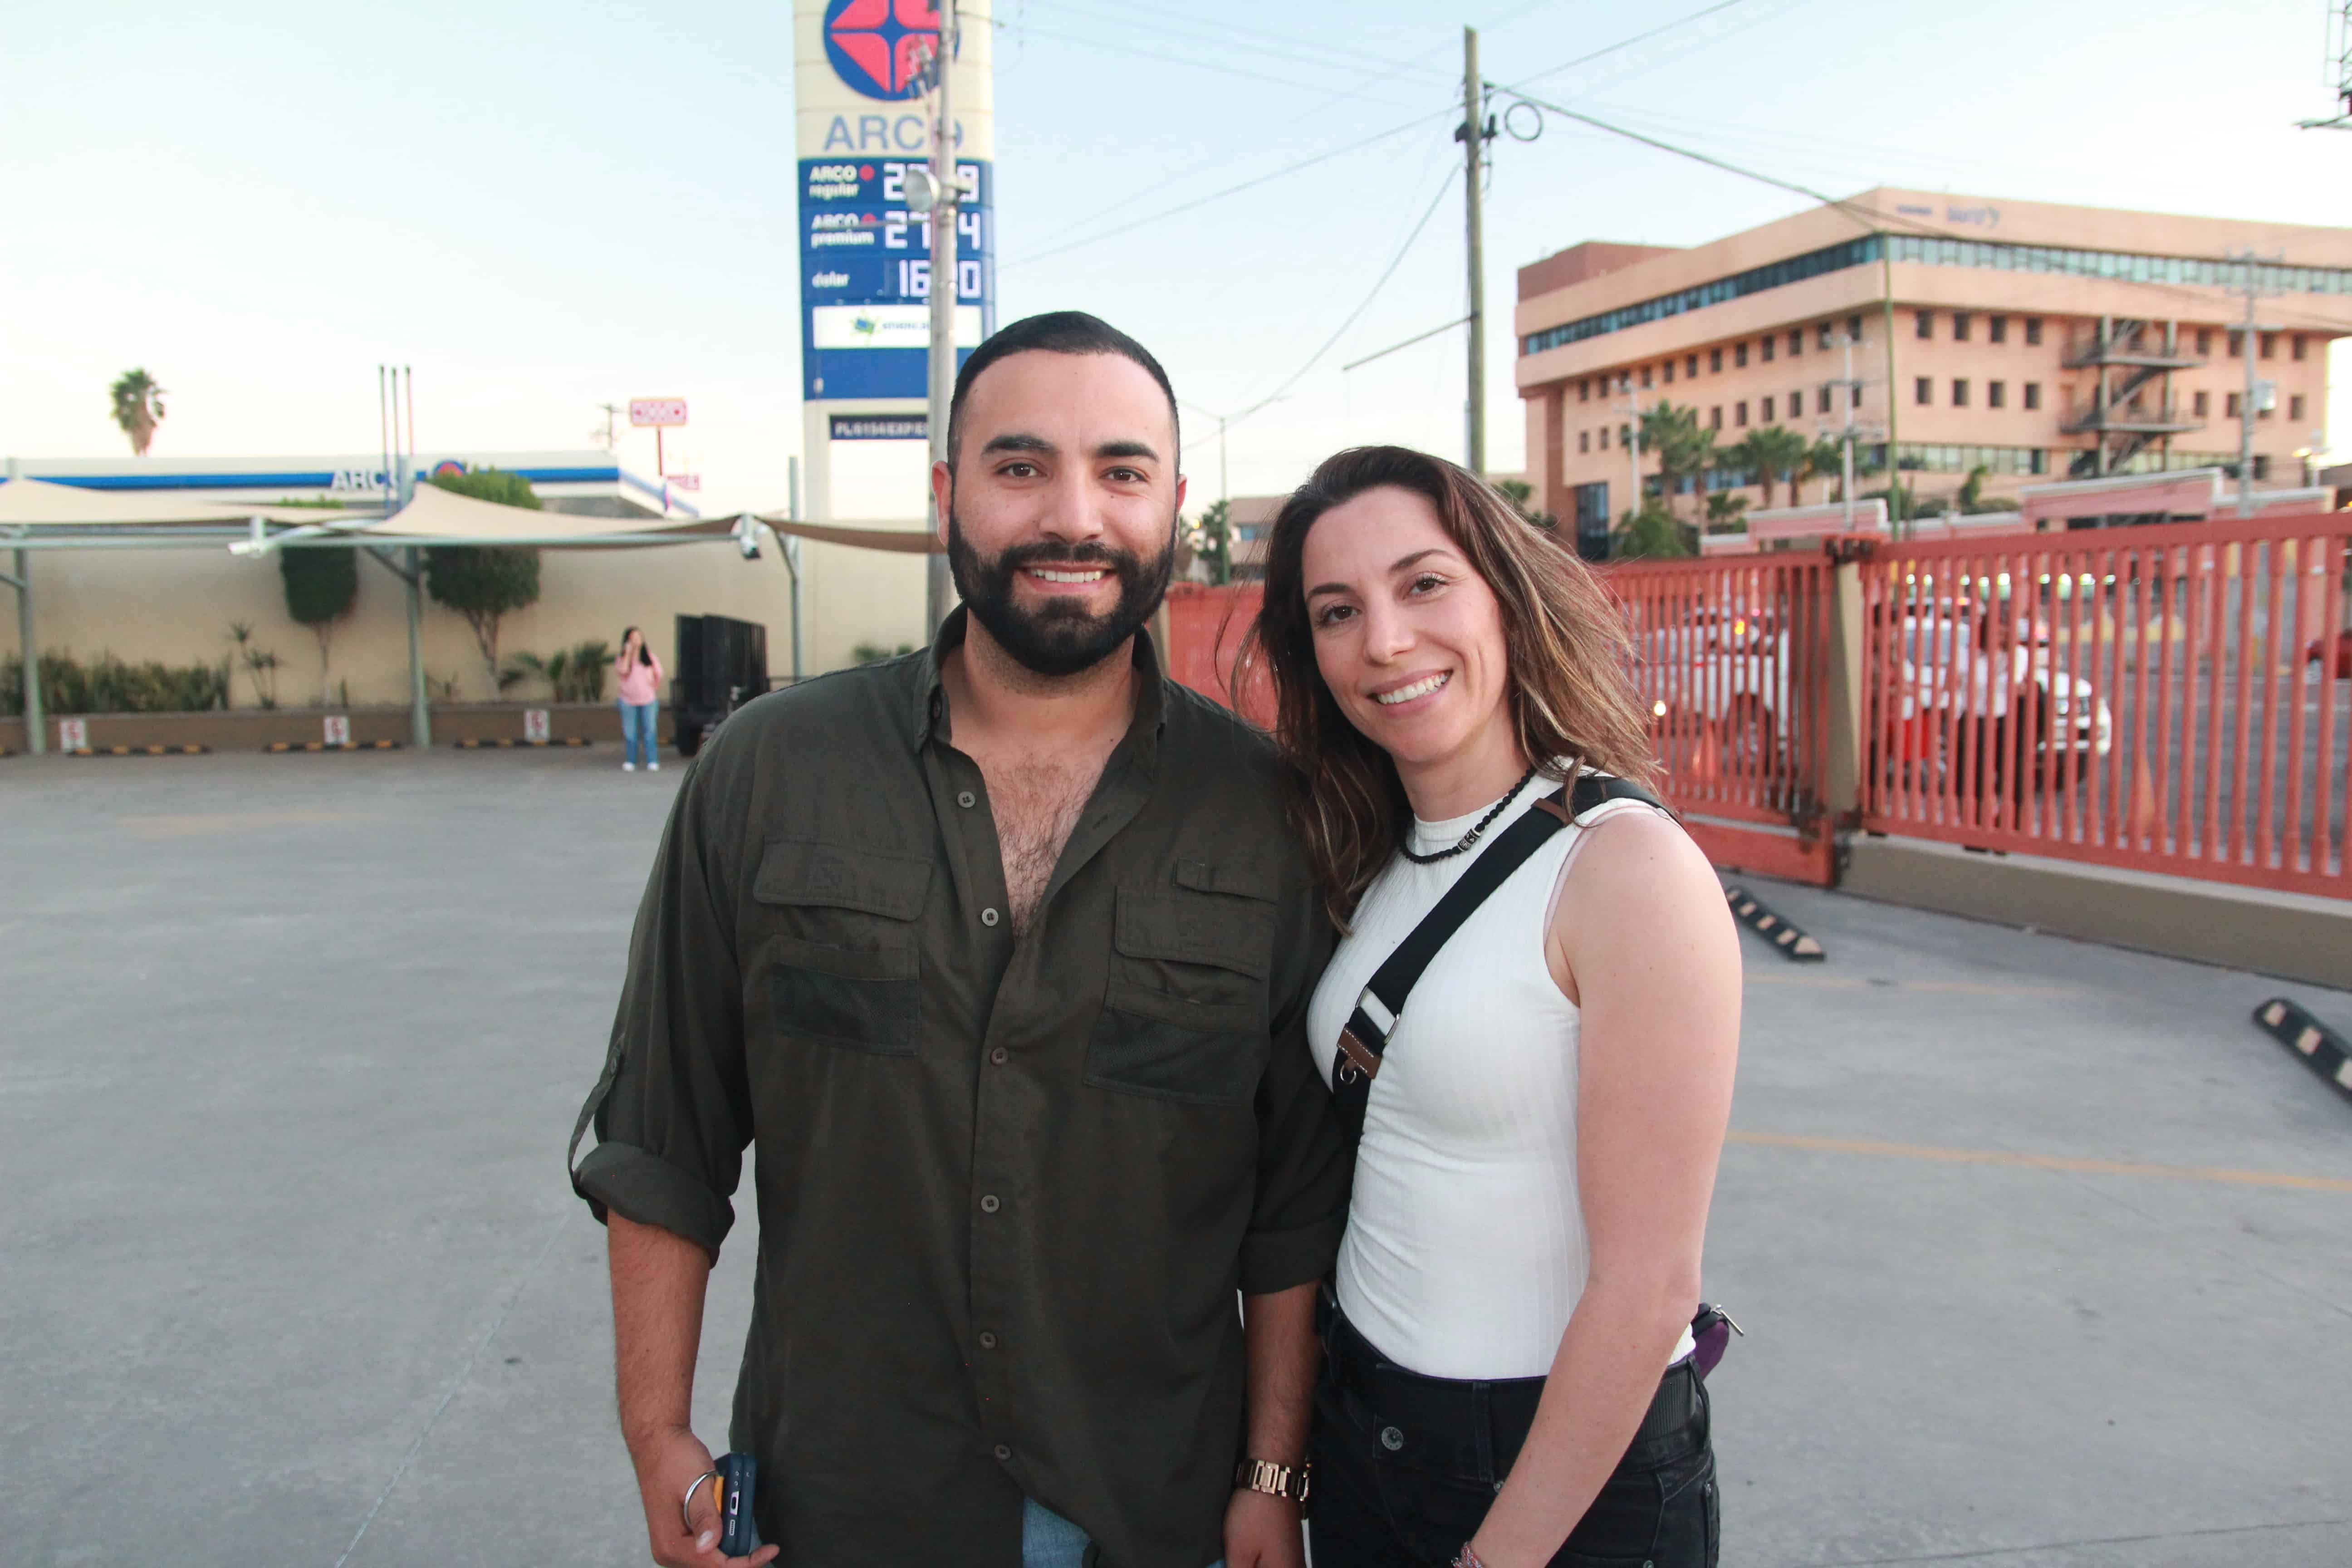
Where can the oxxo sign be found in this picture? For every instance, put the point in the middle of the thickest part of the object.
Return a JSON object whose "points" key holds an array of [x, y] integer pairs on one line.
{"points": [[661, 413], [865, 271]]}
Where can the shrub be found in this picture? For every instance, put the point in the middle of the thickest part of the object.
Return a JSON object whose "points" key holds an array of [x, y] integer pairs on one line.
{"points": [[322, 584], [484, 583], [108, 685]]}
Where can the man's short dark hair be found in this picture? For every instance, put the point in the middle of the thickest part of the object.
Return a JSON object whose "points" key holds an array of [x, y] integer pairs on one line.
{"points": [[1055, 332]]}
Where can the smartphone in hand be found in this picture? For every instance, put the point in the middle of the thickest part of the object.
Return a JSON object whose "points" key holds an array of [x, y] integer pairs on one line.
{"points": [[739, 1481]]}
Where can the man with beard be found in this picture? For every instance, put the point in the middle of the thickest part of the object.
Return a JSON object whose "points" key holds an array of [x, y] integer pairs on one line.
{"points": [[1000, 955]]}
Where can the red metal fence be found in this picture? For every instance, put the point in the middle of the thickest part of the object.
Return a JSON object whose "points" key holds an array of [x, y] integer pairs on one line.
{"points": [[2160, 699], [1733, 656]]}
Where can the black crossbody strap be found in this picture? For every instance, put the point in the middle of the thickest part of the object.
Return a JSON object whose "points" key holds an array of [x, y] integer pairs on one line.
{"points": [[1365, 1039]]}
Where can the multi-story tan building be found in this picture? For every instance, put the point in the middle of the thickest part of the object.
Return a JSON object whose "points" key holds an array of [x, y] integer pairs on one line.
{"points": [[2036, 341]]}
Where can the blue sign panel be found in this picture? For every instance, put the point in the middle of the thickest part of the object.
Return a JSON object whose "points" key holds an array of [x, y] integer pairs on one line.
{"points": [[865, 276]]}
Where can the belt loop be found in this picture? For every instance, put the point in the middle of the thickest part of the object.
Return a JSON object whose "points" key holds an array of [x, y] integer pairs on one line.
{"points": [[1482, 1424]]}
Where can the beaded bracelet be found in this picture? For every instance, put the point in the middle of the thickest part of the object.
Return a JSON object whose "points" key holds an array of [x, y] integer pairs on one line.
{"points": [[1468, 1558]]}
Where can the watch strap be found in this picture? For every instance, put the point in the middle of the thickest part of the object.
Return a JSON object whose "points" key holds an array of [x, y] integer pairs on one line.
{"points": [[1275, 1480]]}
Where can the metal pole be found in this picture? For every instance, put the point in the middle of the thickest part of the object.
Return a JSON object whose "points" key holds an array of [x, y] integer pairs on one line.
{"points": [[408, 467], [1895, 510], [420, 716], [1474, 128], [939, 585], [37, 740], [792, 548], [2246, 404], [1845, 485]]}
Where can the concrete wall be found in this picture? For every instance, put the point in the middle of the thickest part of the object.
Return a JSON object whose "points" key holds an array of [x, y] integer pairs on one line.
{"points": [[176, 606]]}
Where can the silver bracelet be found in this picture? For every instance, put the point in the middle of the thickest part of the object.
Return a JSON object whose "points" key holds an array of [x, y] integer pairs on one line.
{"points": [[686, 1504], [1468, 1558]]}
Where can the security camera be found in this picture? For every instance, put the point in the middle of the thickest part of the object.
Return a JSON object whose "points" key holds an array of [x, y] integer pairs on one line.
{"points": [[747, 538]]}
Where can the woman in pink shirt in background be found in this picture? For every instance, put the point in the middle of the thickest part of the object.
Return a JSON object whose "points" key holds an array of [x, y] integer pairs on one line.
{"points": [[641, 675]]}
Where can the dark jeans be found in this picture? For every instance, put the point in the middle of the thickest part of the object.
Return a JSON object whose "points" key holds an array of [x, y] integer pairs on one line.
{"points": [[1406, 1466]]}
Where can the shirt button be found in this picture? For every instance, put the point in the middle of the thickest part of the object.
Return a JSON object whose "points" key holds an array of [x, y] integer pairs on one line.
{"points": [[966, 799], [1002, 1453], [989, 1204], [987, 1341], [998, 1057], [1391, 1439], [988, 917]]}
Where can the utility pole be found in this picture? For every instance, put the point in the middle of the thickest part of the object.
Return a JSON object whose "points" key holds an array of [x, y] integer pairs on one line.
{"points": [[2257, 390], [610, 440], [1472, 135], [938, 583], [1632, 409], [1851, 430]]}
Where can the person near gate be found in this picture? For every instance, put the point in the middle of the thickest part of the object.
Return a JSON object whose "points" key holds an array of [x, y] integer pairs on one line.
{"points": [[999, 956], [1510, 1378], [640, 678]]}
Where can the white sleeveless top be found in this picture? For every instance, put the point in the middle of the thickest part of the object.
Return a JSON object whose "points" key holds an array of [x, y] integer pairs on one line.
{"points": [[1466, 1249]]}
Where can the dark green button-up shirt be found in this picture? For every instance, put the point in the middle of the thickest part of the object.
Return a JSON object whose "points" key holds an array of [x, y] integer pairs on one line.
{"points": [[1008, 1190]]}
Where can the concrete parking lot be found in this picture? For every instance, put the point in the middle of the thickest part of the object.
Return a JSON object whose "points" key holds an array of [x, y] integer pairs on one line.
{"points": [[2040, 1246]]}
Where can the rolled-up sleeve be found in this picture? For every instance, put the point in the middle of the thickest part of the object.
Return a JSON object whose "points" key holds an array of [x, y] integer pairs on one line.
{"points": [[1305, 1161], [672, 1107]]}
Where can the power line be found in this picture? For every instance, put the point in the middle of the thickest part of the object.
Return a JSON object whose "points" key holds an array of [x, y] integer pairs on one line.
{"points": [[1446, 114], [1289, 46], [1629, 43], [1163, 53], [1350, 147], [1395, 262]]}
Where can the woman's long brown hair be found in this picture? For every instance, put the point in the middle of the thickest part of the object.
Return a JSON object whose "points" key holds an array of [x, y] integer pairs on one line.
{"points": [[1572, 702]]}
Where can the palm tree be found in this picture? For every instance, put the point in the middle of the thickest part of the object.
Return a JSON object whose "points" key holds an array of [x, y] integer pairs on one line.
{"points": [[138, 408], [1684, 448], [1723, 509], [1825, 460], [1769, 453]]}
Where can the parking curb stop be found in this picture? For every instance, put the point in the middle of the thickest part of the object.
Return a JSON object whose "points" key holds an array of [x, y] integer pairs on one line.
{"points": [[2322, 1049], [1789, 940]]}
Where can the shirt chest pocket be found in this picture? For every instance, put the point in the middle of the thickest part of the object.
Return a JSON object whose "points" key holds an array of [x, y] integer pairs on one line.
{"points": [[838, 950], [1183, 1015]]}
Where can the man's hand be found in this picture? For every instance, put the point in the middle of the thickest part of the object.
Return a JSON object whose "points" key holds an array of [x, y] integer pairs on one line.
{"points": [[1262, 1531], [667, 1464]]}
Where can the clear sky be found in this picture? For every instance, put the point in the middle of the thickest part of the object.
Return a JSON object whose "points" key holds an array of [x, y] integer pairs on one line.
{"points": [[544, 206]]}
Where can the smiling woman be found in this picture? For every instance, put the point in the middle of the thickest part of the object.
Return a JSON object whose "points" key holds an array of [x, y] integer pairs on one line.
{"points": [[1535, 1011]]}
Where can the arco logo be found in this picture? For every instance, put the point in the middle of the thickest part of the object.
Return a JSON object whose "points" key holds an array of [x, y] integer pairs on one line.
{"points": [[878, 46]]}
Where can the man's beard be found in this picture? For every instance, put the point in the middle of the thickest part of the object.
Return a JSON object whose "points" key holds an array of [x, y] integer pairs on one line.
{"points": [[1060, 637]]}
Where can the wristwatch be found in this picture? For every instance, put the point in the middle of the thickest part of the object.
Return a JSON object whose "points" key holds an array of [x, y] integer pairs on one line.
{"points": [[1274, 1481]]}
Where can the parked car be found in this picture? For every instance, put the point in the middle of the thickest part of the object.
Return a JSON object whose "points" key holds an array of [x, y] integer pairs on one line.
{"points": [[1952, 678], [2317, 653], [1723, 668]]}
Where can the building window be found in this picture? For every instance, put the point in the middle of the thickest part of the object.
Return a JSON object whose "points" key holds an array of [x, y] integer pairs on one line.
{"points": [[1605, 437], [1740, 413], [1584, 440], [2033, 394], [2269, 344], [1797, 340], [1959, 392], [2262, 465], [1996, 395], [2202, 404], [1714, 361], [1997, 328], [2297, 347], [1645, 378], [1853, 328], [1822, 337], [2033, 332], [2234, 345], [1960, 326], [1770, 343], [1797, 404], [1926, 323], [1767, 410], [1739, 356], [2230, 407], [1714, 417], [1853, 395], [1923, 390], [1669, 373], [2204, 343], [1821, 402], [2294, 406], [1690, 366], [1584, 390]]}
